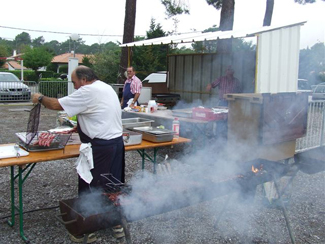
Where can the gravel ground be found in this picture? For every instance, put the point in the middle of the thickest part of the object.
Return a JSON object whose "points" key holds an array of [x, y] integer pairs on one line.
{"points": [[52, 181]]}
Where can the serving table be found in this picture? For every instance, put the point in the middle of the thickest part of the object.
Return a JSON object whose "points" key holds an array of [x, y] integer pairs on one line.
{"points": [[26, 164], [165, 117]]}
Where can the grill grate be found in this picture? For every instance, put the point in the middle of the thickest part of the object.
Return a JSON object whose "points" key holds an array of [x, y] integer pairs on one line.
{"points": [[33, 122]]}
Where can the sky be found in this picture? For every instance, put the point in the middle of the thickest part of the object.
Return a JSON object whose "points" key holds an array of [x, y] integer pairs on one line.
{"points": [[103, 20]]}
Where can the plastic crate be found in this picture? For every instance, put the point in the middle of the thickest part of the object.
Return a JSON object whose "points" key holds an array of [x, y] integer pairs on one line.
{"points": [[208, 114]]}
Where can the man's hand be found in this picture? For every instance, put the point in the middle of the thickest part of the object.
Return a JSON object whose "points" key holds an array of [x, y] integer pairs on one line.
{"points": [[35, 97], [208, 88]]}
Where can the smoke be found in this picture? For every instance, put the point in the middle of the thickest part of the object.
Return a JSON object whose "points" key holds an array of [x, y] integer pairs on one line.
{"points": [[214, 170], [193, 178], [92, 203], [195, 103]]}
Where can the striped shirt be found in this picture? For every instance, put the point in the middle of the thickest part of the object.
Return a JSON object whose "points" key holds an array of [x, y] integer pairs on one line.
{"points": [[135, 86], [227, 85]]}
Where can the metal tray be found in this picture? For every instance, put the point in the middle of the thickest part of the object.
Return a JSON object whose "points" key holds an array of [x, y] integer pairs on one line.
{"points": [[131, 137], [183, 113], [155, 134], [136, 122]]}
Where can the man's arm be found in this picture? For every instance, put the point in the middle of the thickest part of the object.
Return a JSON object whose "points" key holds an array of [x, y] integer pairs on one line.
{"points": [[48, 102], [135, 99], [213, 84], [122, 100]]}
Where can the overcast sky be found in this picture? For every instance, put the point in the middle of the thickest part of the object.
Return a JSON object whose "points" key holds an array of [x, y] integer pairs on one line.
{"points": [[106, 17]]}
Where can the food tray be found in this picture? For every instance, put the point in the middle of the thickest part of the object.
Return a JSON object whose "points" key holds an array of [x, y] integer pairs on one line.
{"points": [[136, 122], [59, 141], [131, 138], [155, 134]]}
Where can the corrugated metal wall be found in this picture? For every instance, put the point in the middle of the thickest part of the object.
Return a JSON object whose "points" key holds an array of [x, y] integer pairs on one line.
{"points": [[189, 74], [278, 60]]}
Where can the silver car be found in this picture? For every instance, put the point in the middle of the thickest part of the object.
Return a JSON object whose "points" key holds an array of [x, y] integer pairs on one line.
{"points": [[319, 91], [12, 89]]}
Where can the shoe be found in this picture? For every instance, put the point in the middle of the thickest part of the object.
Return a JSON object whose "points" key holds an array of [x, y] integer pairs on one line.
{"points": [[80, 239], [118, 231]]}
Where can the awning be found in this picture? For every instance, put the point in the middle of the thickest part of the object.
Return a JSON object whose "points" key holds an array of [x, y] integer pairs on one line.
{"points": [[208, 36]]}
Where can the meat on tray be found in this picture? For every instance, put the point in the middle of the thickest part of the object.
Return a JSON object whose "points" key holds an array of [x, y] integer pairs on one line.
{"points": [[45, 139]]}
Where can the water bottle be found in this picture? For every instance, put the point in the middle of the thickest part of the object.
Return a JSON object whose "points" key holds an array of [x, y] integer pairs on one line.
{"points": [[176, 127]]}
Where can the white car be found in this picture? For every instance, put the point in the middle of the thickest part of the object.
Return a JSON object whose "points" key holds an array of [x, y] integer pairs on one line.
{"points": [[12, 89], [319, 91]]}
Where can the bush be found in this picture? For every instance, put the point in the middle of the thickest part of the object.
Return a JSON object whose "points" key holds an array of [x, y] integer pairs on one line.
{"points": [[63, 69], [45, 74], [55, 89], [50, 79]]}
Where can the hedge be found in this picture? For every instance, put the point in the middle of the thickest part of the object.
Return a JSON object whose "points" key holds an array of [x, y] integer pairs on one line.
{"points": [[54, 88]]}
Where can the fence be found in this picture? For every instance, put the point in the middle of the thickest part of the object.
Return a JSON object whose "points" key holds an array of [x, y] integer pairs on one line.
{"points": [[17, 91], [315, 135], [189, 74]]}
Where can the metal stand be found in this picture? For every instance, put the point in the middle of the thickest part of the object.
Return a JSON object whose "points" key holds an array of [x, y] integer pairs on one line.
{"points": [[283, 208], [223, 210]]}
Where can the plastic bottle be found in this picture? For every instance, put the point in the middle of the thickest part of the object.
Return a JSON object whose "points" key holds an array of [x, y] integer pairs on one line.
{"points": [[152, 106], [176, 127]]}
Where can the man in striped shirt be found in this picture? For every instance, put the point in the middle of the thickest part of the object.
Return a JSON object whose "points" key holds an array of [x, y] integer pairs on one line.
{"points": [[226, 84], [132, 89]]}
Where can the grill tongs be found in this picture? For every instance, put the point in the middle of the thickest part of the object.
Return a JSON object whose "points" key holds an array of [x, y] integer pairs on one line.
{"points": [[114, 185]]}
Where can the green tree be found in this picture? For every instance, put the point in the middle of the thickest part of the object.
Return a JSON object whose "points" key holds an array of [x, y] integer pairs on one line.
{"points": [[268, 13], [3, 55], [312, 63], [106, 64], [305, 1], [38, 42], [269, 10], [21, 40], [87, 61], [175, 7], [128, 36], [9, 45], [36, 58], [149, 59]]}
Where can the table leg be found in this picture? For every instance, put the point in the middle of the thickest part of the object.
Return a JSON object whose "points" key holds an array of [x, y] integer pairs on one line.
{"points": [[155, 150], [12, 192], [143, 155], [20, 208], [20, 199]]}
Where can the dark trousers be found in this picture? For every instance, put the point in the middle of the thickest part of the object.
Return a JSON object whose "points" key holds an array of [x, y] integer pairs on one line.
{"points": [[109, 157]]}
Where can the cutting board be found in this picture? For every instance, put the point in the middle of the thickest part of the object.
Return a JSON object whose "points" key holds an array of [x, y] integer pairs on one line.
{"points": [[10, 152]]}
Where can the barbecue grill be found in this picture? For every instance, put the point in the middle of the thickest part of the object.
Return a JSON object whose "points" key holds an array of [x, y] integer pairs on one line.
{"points": [[116, 197]]}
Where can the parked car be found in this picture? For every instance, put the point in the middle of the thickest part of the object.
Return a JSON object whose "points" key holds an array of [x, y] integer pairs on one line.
{"points": [[319, 91], [303, 85], [12, 89]]}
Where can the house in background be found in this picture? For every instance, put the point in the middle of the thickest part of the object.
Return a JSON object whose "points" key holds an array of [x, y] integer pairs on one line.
{"points": [[13, 65], [13, 62], [63, 59]]}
